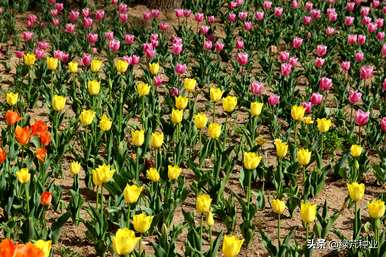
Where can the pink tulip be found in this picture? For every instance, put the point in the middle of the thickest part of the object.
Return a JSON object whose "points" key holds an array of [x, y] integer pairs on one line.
{"points": [[364, 11], [211, 19], [273, 100], [99, 15], [180, 68], [149, 50], [350, 6], [44, 45], [147, 16], [31, 20], [359, 56], [199, 17], [176, 48], [361, 39], [179, 13], [86, 12], [349, 20], [366, 72], [384, 85], [208, 45], [285, 69], [319, 62], [65, 57], [187, 13], [243, 15], [352, 39], [86, 59], [256, 88], [379, 22], [361, 117], [383, 50], [380, 35], [365, 20], [134, 59], [155, 13], [345, 66], [114, 45], [383, 124], [325, 84], [331, 14], [309, 6], [92, 38], [232, 5], [372, 27], [123, 17], [283, 56], [239, 2], [58, 54], [59, 7], [239, 43], [307, 20], [330, 31], [316, 98], [321, 50], [307, 106], [297, 42], [248, 25], [27, 36], [259, 16], [267, 5], [219, 46], [55, 22], [293, 61], [122, 8], [354, 97], [278, 11], [19, 54], [40, 53], [174, 91], [242, 58], [295, 4], [69, 28], [87, 22], [114, 2], [163, 26], [109, 35], [54, 12], [204, 29], [73, 16], [315, 14], [129, 39], [231, 17], [375, 4], [158, 81]]}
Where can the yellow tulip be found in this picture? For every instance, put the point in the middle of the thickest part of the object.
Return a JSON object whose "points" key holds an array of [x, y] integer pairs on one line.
{"points": [[44, 246], [143, 89], [190, 84], [131, 193], [210, 219], [203, 203], [173, 172], [356, 150], [157, 139], [153, 175], [229, 103], [214, 130], [73, 67], [231, 246], [200, 120], [75, 168], [323, 124], [307, 212], [86, 117], [376, 208], [303, 156], [121, 65], [124, 241], [278, 206], [256, 108], [181, 102], [96, 65], [281, 148], [215, 94], [251, 160], [356, 191], [102, 174], [177, 116], [308, 120], [12, 98], [52, 63], [142, 222], [23, 176], [93, 87], [154, 68], [58, 102], [105, 123], [29, 59], [138, 137], [297, 112]]}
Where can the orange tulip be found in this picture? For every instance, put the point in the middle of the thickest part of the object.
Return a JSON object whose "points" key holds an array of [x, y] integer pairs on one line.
{"points": [[7, 248], [39, 128], [12, 117], [3, 156], [46, 198], [22, 135], [45, 138], [41, 154], [28, 250]]}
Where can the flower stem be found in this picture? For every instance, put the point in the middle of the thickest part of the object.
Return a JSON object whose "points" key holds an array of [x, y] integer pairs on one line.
{"points": [[278, 230]]}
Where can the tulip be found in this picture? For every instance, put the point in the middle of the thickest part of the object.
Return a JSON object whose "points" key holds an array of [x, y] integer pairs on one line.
{"points": [[297, 42], [58, 103], [142, 222], [93, 87], [210, 219], [255, 109], [345, 66], [153, 175], [121, 65], [41, 154], [23, 176], [356, 150], [29, 59], [323, 124], [229, 103], [180, 68], [256, 88], [96, 65], [383, 124], [303, 156], [366, 72], [273, 100], [203, 202], [281, 148], [102, 174], [278, 206], [138, 137], [143, 89], [297, 112], [28, 250], [52, 63], [73, 67], [325, 84], [157, 139], [356, 191], [154, 68], [376, 208], [131, 193], [3, 155], [307, 212], [242, 58], [86, 117], [12, 98], [214, 130], [181, 102], [45, 198], [321, 50], [251, 160], [231, 246], [200, 120], [124, 241], [75, 168], [190, 84], [22, 135], [354, 97], [361, 117], [215, 94], [105, 123], [177, 116]]}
